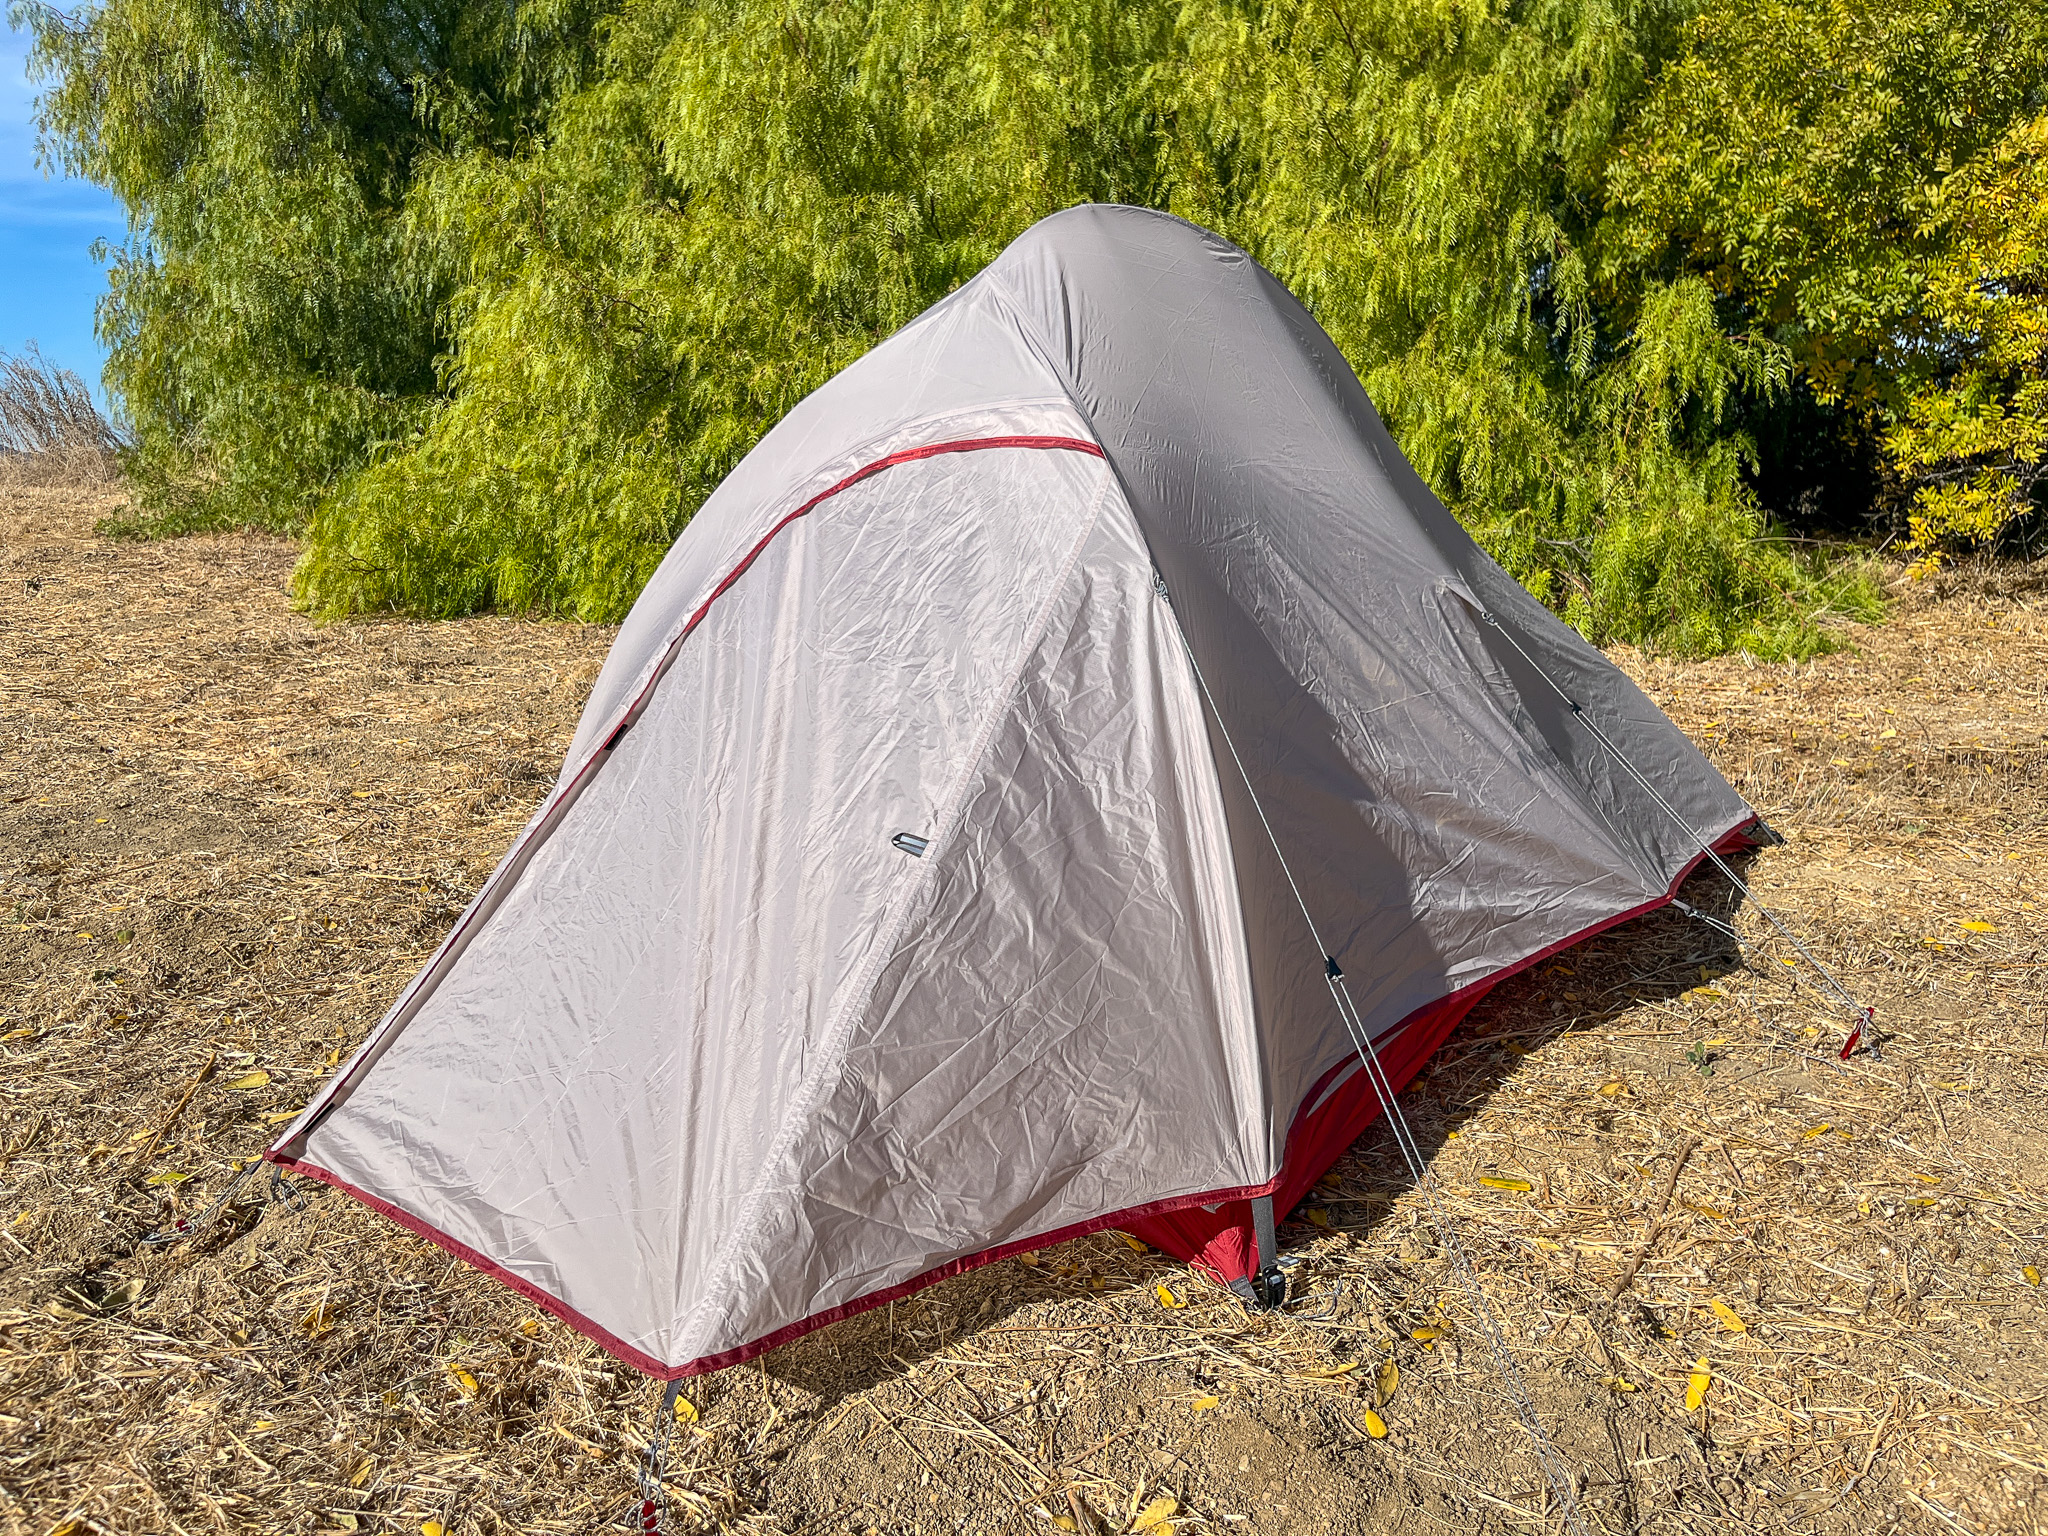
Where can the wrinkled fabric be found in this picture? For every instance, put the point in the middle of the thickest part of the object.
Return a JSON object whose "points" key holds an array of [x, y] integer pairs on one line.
{"points": [[1104, 586]]}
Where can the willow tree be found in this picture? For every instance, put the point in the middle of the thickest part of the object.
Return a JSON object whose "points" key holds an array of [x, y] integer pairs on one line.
{"points": [[270, 320], [497, 351]]}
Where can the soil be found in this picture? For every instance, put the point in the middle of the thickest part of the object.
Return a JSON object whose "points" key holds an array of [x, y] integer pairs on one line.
{"points": [[228, 836]]}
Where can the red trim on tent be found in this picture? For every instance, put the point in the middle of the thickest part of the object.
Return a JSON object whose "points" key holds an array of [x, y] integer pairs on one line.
{"points": [[907, 456], [1217, 1242]]}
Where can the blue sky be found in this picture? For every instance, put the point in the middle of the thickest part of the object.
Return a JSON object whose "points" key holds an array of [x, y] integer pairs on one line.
{"points": [[48, 279]]}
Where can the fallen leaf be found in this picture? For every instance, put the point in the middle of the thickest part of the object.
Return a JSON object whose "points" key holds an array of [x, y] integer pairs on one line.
{"points": [[255, 1079], [1328, 1372], [1388, 1378], [126, 1294], [1426, 1335], [432, 1528], [1317, 1216], [1521, 1186], [2030, 1274], [1697, 1383], [1064, 1523], [1819, 1130], [1202, 1403], [1979, 926], [1030, 1259], [1156, 1514], [1730, 1319], [529, 1326], [319, 1319], [464, 1380], [1132, 1243], [1167, 1298], [1375, 1425], [1609, 1090], [168, 1176], [1620, 1384], [686, 1411], [283, 1114], [68, 1313]]}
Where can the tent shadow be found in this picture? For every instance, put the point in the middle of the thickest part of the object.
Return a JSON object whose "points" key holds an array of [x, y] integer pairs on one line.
{"points": [[1586, 988]]}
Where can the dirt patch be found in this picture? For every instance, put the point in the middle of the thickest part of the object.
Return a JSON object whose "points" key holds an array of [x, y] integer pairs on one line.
{"points": [[227, 837]]}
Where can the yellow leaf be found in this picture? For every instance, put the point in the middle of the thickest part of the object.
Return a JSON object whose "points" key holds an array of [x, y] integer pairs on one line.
{"points": [[530, 1326], [1520, 1185], [1327, 1372], [1697, 1383], [1030, 1259], [1730, 1319], [1426, 1335], [464, 1380], [2030, 1274], [1156, 1514], [1132, 1243], [1840, 762], [1375, 1425], [1317, 1216], [1388, 1379], [686, 1411], [1202, 1403], [1620, 1384], [432, 1528], [1609, 1090], [168, 1176], [283, 1114], [1064, 1523], [251, 1080], [1979, 927], [1819, 1130], [1167, 1298]]}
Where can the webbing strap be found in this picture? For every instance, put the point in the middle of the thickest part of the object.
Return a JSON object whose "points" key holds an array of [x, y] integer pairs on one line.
{"points": [[1265, 1233]]}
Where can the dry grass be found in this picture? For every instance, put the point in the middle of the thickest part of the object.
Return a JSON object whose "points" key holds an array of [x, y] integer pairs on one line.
{"points": [[51, 433], [227, 837]]}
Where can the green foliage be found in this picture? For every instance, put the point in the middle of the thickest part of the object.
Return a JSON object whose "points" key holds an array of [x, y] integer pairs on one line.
{"points": [[493, 337], [270, 319], [1975, 439]]}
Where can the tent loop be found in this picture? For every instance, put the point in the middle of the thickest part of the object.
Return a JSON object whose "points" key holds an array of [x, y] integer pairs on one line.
{"points": [[1861, 1017], [1563, 1485]]}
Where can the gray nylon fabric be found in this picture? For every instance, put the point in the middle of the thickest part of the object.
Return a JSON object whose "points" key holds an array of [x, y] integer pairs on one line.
{"points": [[709, 1056]]}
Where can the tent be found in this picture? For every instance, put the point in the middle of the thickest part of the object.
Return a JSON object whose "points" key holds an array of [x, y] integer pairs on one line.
{"points": [[1030, 769]]}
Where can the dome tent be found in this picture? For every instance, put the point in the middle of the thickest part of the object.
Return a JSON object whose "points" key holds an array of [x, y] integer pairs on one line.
{"points": [[957, 847]]}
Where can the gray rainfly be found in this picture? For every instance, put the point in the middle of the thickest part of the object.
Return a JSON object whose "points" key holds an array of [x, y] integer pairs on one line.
{"points": [[961, 844]]}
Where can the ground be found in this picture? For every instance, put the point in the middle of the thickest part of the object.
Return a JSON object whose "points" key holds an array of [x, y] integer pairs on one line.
{"points": [[227, 837]]}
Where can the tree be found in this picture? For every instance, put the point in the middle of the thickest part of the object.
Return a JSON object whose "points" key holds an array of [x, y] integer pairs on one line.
{"points": [[268, 320], [1585, 254], [1974, 438]]}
